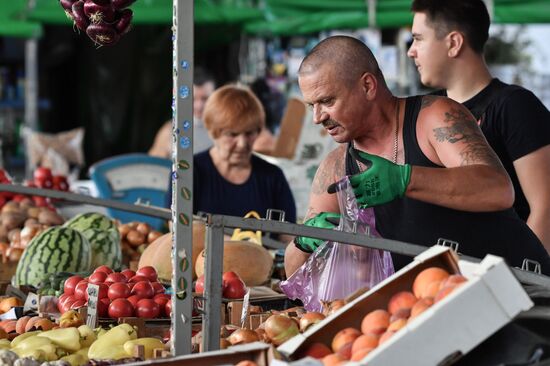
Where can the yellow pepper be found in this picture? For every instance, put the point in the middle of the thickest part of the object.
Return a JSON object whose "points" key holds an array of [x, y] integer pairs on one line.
{"points": [[76, 359], [110, 345], [66, 338], [83, 352], [5, 344], [70, 318], [99, 332], [15, 342], [149, 345], [87, 336], [37, 354], [31, 343]]}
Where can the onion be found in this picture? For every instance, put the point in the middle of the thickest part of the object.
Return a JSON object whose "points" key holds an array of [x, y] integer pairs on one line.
{"points": [[123, 24], [102, 34], [102, 2], [14, 254], [330, 307], [98, 13], [308, 319], [67, 4], [121, 4], [80, 19], [262, 335], [224, 343], [280, 328], [242, 336], [123, 230]]}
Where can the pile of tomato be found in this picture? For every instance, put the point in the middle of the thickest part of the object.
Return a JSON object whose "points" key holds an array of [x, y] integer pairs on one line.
{"points": [[121, 294]]}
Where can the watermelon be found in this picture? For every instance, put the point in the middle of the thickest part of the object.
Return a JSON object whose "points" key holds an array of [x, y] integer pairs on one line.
{"points": [[57, 249], [103, 235]]}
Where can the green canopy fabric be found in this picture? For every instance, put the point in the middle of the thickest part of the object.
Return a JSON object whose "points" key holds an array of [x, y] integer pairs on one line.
{"points": [[264, 18], [160, 12], [13, 22]]}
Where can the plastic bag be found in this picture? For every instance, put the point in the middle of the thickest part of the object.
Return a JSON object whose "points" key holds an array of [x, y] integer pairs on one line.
{"points": [[334, 270]]}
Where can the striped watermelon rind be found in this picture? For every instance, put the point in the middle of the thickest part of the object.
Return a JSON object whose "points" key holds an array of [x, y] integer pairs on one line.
{"points": [[90, 220], [57, 249], [103, 235]]}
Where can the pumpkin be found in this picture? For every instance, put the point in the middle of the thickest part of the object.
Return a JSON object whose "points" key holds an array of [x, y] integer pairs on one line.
{"points": [[158, 254], [250, 261]]}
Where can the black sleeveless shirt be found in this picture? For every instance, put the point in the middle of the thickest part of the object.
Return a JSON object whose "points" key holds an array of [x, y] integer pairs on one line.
{"points": [[500, 233]]}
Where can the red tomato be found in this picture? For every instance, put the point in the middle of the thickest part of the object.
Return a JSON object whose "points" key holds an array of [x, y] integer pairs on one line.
{"points": [[42, 173], [116, 277], [70, 284], [118, 290], [158, 287], [230, 274], [143, 289], [148, 272], [234, 288], [62, 300], [103, 307], [68, 303], [163, 296], [128, 273], [78, 304], [134, 299], [168, 308], [161, 301], [199, 284], [97, 277], [138, 278], [60, 183], [120, 308], [103, 291], [147, 308], [104, 268], [80, 290]]}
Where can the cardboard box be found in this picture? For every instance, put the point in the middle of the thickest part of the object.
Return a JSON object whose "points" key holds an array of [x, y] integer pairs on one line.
{"points": [[490, 298], [260, 353]]}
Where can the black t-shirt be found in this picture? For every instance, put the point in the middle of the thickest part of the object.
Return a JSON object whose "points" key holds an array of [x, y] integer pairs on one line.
{"points": [[266, 188], [500, 233], [515, 123]]}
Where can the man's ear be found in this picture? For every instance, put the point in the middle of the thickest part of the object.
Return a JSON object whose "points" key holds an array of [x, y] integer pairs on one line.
{"points": [[455, 43], [370, 85]]}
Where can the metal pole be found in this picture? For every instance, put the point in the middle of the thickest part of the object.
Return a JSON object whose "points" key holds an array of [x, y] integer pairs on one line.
{"points": [[31, 86], [182, 182], [211, 320], [371, 6]]}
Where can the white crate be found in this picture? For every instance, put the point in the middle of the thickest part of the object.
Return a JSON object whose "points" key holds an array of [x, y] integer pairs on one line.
{"points": [[490, 298]]}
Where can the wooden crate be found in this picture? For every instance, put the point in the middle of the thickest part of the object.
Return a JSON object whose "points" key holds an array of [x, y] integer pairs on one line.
{"points": [[7, 270]]}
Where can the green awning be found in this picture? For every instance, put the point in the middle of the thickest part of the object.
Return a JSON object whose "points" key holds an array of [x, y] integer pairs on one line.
{"points": [[13, 22], [273, 17], [160, 12]]}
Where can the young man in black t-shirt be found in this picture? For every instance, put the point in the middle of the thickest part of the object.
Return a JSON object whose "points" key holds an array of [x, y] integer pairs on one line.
{"points": [[448, 41]]}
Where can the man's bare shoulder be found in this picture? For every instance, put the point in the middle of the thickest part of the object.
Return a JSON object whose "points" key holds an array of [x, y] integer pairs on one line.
{"points": [[331, 169]]}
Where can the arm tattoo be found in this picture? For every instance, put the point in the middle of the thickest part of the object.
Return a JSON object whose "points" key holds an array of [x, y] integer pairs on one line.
{"points": [[463, 128], [427, 100], [329, 172]]}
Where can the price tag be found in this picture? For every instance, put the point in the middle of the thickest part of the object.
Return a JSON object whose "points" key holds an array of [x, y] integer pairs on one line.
{"points": [[246, 303], [31, 303], [91, 316]]}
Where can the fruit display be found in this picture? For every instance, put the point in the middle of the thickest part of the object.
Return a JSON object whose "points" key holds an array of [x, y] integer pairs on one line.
{"points": [[250, 261], [233, 286], [135, 237], [56, 249], [121, 294], [103, 236], [104, 21], [159, 253]]}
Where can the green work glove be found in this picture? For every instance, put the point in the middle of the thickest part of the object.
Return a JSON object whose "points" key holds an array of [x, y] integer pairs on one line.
{"points": [[382, 182], [325, 220]]}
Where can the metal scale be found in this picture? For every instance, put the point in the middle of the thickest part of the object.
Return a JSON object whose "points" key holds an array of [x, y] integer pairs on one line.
{"points": [[134, 179]]}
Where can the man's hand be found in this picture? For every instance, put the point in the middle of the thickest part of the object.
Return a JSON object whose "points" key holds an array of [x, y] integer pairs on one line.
{"points": [[325, 220], [382, 182]]}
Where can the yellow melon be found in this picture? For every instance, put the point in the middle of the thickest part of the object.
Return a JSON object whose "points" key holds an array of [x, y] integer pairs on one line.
{"points": [[159, 253], [250, 261]]}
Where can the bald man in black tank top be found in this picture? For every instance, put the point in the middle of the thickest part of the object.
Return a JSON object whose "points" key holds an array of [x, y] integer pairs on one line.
{"points": [[434, 173]]}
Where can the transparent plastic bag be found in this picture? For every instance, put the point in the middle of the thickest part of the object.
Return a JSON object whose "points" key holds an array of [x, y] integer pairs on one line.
{"points": [[334, 270]]}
